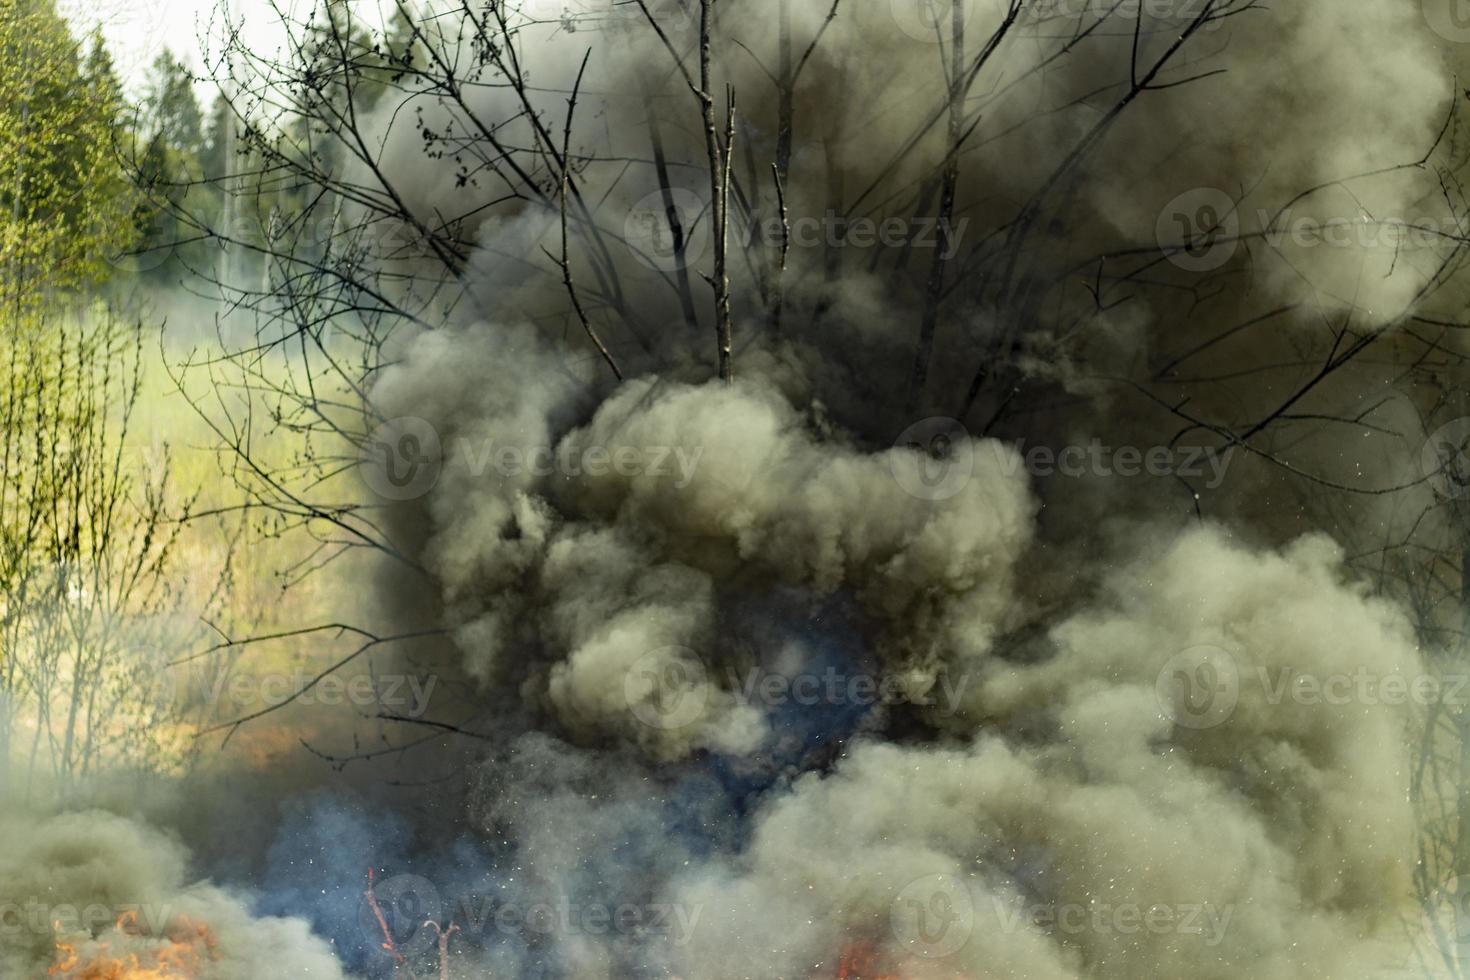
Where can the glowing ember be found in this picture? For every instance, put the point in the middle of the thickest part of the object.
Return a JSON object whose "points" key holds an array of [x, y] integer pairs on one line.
{"points": [[177, 955], [862, 961]]}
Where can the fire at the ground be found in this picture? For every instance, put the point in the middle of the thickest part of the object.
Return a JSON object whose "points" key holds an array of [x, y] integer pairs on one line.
{"points": [[863, 961], [179, 954]]}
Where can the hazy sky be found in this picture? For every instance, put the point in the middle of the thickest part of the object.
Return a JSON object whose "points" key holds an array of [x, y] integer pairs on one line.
{"points": [[137, 30]]}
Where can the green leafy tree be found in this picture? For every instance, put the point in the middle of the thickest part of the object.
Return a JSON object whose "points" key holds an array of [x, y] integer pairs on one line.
{"points": [[100, 76], [63, 195], [87, 587], [215, 154], [172, 108], [168, 164]]}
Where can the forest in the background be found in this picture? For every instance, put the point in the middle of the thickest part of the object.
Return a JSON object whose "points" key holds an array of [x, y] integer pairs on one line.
{"points": [[118, 552]]}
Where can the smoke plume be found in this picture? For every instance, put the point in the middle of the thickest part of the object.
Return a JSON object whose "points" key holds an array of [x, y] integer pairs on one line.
{"points": [[810, 670]]}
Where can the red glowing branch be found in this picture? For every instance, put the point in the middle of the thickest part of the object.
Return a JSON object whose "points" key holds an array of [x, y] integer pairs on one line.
{"points": [[400, 961], [388, 944]]}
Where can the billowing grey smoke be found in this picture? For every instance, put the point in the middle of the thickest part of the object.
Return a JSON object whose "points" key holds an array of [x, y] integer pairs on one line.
{"points": [[1265, 833], [1080, 832], [1108, 742], [619, 567], [118, 895], [1138, 777]]}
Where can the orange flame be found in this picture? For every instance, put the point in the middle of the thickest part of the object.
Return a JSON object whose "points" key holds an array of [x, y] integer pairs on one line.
{"points": [[184, 947], [862, 961]]}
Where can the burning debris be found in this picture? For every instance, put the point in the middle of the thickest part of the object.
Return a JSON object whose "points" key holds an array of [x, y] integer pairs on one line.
{"points": [[442, 936], [96, 896], [863, 961], [128, 952]]}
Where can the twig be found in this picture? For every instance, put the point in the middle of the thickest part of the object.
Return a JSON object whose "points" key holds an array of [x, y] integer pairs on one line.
{"points": [[443, 936], [776, 291], [399, 960], [565, 260]]}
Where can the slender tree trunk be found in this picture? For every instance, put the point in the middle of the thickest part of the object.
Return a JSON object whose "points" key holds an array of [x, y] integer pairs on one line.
{"points": [[785, 129], [719, 175], [671, 210], [1462, 729], [929, 321], [6, 722]]}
